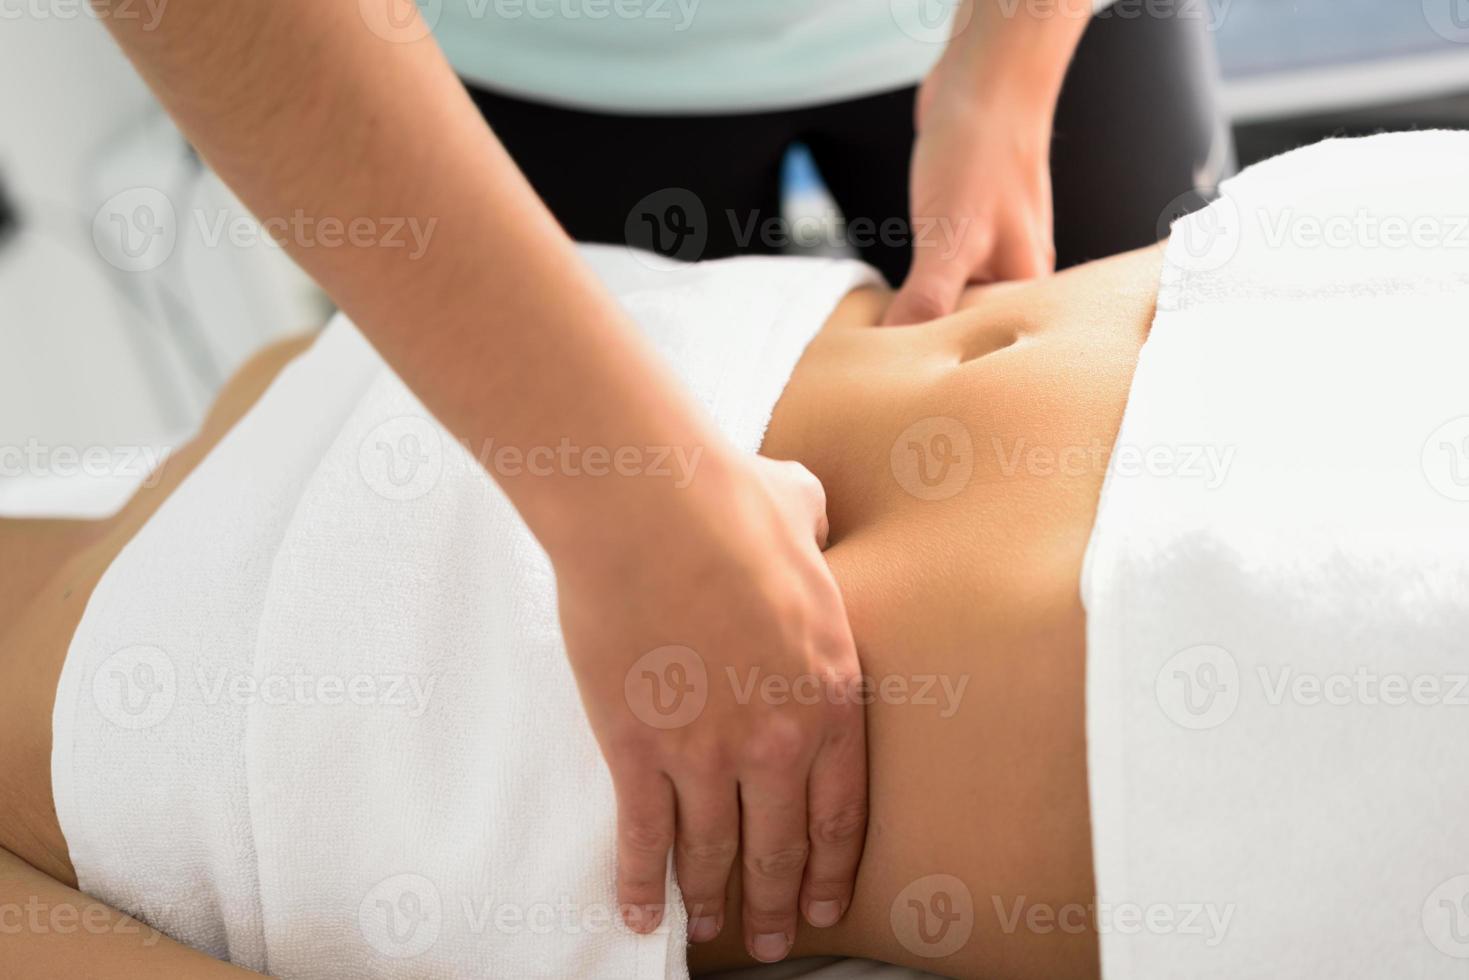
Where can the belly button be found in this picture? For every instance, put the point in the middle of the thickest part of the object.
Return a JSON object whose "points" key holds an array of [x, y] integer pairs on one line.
{"points": [[984, 343]]}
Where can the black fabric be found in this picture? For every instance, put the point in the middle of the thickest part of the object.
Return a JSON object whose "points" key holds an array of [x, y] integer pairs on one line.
{"points": [[1136, 123]]}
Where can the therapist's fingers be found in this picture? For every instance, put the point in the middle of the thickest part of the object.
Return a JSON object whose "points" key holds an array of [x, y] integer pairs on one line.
{"points": [[838, 805], [932, 288], [644, 838], [708, 839], [1025, 252], [775, 848], [799, 493]]}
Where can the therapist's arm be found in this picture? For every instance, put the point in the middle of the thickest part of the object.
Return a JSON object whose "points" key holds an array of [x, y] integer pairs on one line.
{"points": [[506, 336], [980, 194]]}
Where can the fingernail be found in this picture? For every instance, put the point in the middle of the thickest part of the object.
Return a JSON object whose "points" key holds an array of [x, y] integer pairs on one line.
{"points": [[703, 928], [642, 918], [770, 946], [823, 914]]}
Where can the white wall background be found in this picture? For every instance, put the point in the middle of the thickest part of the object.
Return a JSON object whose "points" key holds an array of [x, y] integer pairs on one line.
{"points": [[91, 354]]}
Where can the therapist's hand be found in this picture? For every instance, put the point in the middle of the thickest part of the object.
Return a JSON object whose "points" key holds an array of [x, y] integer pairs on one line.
{"points": [[676, 621], [980, 194], [980, 197]]}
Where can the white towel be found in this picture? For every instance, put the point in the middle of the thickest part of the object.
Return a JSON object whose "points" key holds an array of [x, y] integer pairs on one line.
{"points": [[318, 717], [1277, 587]]}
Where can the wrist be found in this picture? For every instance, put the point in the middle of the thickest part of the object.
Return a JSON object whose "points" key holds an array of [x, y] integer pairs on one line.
{"points": [[1011, 61], [601, 524]]}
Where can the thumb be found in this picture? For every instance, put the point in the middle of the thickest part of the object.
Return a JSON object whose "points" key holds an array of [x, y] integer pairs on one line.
{"points": [[931, 290], [798, 493]]}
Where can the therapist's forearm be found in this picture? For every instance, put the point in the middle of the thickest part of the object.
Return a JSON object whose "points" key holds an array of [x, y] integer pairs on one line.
{"points": [[302, 109]]}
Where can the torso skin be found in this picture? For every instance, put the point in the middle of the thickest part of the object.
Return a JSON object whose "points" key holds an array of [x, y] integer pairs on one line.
{"points": [[961, 581]]}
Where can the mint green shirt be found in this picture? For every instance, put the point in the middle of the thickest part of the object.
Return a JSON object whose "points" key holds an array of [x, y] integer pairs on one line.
{"points": [[654, 56]]}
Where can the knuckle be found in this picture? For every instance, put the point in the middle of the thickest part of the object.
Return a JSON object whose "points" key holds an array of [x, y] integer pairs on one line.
{"points": [[703, 904], [627, 746], [644, 838], [807, 482], [780, 746], [845, 711], [762, 920], [843, 825], [779, 864], [708, 854], [922, 306], [712, 759]]}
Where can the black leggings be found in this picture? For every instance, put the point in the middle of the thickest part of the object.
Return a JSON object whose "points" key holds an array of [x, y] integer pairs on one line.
{"points": [[1137, 127]]}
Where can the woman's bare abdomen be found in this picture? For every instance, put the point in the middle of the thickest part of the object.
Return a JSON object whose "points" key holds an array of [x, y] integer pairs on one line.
{"points": [[962, 460]]}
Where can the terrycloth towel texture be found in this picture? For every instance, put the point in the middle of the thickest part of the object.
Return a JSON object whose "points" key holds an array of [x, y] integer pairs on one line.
{"points": [[318, 718], [1277, 586]]}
